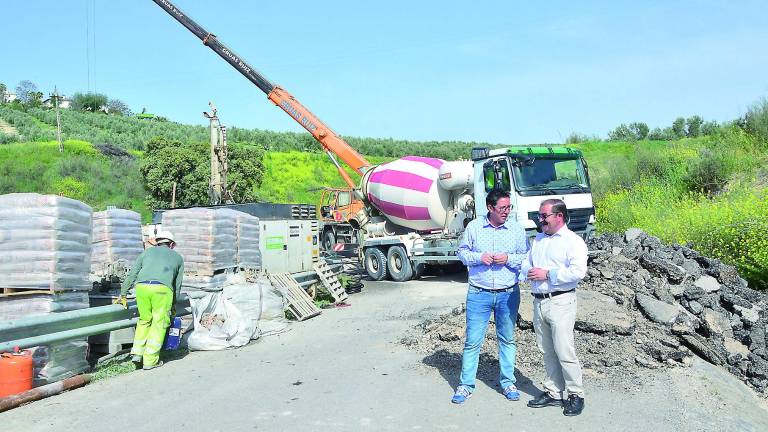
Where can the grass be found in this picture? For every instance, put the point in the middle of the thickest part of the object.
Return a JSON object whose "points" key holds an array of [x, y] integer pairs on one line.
{"points": [[81, 172], [113, 368], [295, 177], [707, 193], [122, 364]]}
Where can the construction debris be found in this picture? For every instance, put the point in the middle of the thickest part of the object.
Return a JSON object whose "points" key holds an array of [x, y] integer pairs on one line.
{"points": [[643, 305]]}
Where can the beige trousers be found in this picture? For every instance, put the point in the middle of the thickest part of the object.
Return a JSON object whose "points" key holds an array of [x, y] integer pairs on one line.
{"points": [[553, 320]]}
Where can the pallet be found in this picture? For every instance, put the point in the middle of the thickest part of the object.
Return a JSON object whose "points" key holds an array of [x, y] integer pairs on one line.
{"points": [[299, 302], [330, 281], [8, 292]]}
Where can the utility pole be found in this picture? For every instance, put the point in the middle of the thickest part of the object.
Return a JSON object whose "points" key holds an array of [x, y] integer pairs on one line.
{"points": [[55, 96], [217, 187]]}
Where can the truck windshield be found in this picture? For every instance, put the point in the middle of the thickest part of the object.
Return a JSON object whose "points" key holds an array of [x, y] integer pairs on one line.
{"points": [[551, 175]]}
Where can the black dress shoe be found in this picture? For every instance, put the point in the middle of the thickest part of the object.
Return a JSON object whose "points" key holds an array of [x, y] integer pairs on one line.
{"points": [[544, 400], [574, 405]]}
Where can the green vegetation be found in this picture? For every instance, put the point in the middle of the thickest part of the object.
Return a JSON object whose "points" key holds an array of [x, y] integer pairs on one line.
{"points": [[188, 165], [113, 368], [708, 192], [295, 177], [28, 126], [81, 172]]}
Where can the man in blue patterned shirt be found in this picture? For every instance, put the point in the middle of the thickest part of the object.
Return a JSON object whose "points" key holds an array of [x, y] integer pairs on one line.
{"points": [[492, 248]]}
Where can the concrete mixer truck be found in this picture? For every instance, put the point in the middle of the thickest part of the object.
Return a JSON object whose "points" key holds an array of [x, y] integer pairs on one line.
{"points": [[416, 208]]}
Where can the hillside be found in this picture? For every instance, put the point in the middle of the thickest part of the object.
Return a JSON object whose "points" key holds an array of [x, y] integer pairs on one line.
{"points": [[708, 191]]}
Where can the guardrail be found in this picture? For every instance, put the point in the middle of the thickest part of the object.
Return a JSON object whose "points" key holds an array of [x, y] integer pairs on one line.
{"points": [[61, 326]]}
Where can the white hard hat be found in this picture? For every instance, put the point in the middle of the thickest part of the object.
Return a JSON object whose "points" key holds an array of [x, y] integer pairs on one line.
{"points": [[163, 236]]}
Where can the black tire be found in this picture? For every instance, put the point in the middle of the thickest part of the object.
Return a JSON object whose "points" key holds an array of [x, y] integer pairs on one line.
{"points": [[399, 265], [418, 270], [329, 239], [375, 263]]}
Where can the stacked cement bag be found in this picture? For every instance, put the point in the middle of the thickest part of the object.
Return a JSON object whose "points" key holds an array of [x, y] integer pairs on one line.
{"points": [[22, 306], [207, 240], [116, 239], [248, 255], [45, 242]]}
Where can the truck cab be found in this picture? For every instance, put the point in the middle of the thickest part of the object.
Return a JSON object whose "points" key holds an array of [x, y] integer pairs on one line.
{"points": [[337, 207], [531, 175]]}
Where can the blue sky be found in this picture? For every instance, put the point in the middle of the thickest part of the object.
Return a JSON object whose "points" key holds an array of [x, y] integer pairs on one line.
{"points": [[502, 72]]}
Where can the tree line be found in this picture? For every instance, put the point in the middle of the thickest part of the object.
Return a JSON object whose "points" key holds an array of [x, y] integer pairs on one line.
{"points": [[29, 96]]}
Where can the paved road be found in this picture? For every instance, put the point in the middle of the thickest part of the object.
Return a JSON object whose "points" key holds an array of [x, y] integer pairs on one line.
{"points": [[345, 371]]}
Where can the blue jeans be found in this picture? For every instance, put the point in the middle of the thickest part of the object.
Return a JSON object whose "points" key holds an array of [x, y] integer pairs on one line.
{"points": [[504, 305]]}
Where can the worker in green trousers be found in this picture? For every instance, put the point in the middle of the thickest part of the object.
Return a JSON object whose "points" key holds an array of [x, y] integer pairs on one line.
{"points": [[157, 275]]}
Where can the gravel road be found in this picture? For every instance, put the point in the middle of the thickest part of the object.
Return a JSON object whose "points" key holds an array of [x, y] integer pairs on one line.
{"points": [[346, 370]]}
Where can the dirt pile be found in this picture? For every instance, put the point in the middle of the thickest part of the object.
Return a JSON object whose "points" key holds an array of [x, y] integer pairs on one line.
{"points": [[643, 305]]}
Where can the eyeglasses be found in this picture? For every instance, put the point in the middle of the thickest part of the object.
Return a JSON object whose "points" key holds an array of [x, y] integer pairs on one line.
{"points": [[544, 215], [504, 209]]}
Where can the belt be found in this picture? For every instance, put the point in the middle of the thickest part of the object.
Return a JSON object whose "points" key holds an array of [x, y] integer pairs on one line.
{"points": [[151, 282], [552, 294], [494, 290]]}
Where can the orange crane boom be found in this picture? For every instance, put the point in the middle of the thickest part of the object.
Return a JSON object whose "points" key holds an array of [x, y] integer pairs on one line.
{"points": [[333, 145]]}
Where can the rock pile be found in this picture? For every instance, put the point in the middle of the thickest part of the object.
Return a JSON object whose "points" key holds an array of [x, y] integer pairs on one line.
{"points": [[698, 301], [643, 305]]}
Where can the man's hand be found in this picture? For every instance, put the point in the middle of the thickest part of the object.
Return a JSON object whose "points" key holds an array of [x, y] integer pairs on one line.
{"points": [[538, 274], [486, 258], [122, 300], [500, 258]]}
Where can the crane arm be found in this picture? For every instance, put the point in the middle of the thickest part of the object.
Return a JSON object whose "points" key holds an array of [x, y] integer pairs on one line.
{"points": [[333, 145]]}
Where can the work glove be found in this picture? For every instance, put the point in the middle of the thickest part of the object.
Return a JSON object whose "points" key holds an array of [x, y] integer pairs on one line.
{"points": [[122, 300]]}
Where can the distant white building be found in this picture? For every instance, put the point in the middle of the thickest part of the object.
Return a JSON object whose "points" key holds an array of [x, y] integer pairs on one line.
{"points": [[64, 102], [8, 97]]}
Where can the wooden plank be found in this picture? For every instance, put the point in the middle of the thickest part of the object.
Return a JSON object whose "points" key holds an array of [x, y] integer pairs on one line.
{"points": [[20, 291], [299, 302], [13, 292], [330, 281]]}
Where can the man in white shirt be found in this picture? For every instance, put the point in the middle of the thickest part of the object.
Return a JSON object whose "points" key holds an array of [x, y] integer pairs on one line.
{"points": [[556, 262]]}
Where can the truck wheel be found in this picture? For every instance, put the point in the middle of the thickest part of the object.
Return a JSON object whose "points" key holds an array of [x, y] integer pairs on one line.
{"points": [[329, 239], [418, 270], [398, 264], [375, 263]]}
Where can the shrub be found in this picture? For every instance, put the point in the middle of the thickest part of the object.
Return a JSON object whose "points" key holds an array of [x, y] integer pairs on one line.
{"points": [[621, 133], [70, 187], [8, 138], [710, 172], [756, 121], [93, 102], [730, 226]]}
